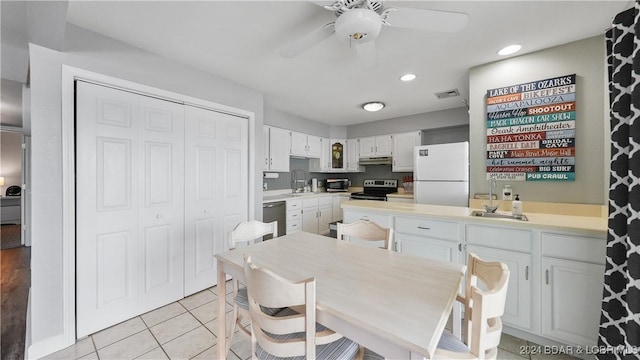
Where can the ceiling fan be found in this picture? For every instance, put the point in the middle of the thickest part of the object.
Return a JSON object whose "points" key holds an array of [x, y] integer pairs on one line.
{"points": [[359, 23]]}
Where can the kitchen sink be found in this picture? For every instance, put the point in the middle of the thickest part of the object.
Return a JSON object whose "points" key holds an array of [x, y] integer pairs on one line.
{"points": [[485, 214]]}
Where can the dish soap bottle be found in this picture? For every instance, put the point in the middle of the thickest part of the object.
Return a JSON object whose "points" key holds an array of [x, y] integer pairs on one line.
{"points": [[516, 206]]}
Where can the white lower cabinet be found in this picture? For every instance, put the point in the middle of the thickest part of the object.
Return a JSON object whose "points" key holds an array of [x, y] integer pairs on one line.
{"points": [[512, 247], [294, 215], [317, 213], [517, 310], [571, 291], [571, 299], [433, 239], [325, 216], [337, 209]]}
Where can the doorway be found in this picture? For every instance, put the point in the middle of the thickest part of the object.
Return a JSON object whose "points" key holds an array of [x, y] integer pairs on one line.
{"points": [[12, 209]]}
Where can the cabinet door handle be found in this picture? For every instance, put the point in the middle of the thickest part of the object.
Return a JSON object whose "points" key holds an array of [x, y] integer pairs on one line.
{"points": [[526, 272], [546, 276], [424, 228], [459, 246]]}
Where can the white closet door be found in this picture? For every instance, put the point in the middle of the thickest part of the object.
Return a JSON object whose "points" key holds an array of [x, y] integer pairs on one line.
{"points": [[216, 190], [129, 205], [161, 210]]}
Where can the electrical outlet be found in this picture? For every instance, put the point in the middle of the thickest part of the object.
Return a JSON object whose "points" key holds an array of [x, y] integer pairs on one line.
{"points": [[264, 186]]}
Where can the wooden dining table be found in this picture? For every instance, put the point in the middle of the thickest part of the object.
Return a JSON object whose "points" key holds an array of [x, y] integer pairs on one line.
{"points": [[394, 304]]}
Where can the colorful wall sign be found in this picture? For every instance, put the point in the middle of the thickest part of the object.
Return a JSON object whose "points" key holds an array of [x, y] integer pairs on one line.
{"points": [[531, 131]]}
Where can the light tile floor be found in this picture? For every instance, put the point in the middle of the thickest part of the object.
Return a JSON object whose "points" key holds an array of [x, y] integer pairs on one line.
{"points": [[187, 329]]}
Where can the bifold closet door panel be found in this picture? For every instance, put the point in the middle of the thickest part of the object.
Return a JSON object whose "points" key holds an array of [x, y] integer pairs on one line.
{"points": [[216, 148], [129, 205], [161, 211]]}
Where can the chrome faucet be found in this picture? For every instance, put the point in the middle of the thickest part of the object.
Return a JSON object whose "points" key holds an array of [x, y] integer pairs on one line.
{"points": [[295, 180], [490, 208]]}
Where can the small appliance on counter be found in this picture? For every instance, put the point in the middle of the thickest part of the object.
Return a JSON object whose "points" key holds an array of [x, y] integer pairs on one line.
{"points": [[314, 185], [376, 190], [441, 174], [336, 185]]}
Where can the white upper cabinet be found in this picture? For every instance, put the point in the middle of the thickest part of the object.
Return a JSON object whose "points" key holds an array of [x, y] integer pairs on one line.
{"points": [[277, 149], [376, 146], [403, 145], [305, 145], [325, 155], [352, 156]]}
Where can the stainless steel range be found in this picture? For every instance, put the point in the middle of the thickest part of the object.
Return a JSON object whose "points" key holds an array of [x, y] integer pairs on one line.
{"points": [[376, 190]]}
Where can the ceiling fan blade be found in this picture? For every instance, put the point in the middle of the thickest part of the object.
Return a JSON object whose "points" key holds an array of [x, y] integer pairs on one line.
{"points": [[307, 41], [367, 55], [322, 3], [427, 20]]}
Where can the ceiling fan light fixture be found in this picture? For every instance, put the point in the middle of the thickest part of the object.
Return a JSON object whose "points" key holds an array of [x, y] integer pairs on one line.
{"points": [[408, 77], [511, 49], [358, 26], [373, 106]]}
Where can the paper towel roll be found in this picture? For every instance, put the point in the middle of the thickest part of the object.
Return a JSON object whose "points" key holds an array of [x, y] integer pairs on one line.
{"points": [[314, 185]]}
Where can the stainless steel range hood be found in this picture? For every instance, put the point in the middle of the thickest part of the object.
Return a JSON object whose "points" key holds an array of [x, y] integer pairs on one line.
{"points": [[382, 160]]}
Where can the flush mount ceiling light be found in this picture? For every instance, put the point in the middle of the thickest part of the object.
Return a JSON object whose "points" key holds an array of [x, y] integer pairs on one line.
{"points": [[408, 77], [373, 106], [508, 50]]}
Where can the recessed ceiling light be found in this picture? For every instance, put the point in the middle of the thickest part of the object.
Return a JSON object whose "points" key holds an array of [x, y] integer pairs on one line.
{"points": [[508, 50], [373, 106], [408, 77]]}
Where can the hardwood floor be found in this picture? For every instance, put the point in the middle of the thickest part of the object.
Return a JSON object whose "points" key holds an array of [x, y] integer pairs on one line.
{"points": [[10, 236], [15, 279]]}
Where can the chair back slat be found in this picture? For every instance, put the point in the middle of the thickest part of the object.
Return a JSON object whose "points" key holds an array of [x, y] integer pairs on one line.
{"points": [[249, 231], [365, 230]]}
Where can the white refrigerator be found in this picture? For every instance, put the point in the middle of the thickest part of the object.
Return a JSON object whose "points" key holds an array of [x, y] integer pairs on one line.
{"points": [[441, 174]]}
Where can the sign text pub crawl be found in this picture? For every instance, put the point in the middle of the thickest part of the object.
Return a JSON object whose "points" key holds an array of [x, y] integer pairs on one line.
{"points": [[531, 132]]}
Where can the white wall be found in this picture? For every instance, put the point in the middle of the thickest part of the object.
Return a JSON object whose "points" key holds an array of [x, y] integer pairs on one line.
{"points": [[585, 58], [96, 53], [431, 120], [293, 122]]}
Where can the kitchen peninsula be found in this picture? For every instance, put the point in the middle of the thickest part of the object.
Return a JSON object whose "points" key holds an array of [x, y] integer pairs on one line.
{"points": [[556, 261]]}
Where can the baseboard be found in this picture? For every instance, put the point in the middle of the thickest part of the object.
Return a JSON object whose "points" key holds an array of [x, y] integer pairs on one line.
{"points": [[27, 330], [45, 347]]}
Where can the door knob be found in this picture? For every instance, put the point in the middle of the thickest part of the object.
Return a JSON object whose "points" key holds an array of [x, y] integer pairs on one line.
{"points": [[159, 216]]}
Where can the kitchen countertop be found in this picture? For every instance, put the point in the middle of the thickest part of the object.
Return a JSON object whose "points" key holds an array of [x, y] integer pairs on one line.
{"points": [[289, 196], [400, 195], [592, 226]]}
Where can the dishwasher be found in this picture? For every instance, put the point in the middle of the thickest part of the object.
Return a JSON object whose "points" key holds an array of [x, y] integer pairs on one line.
{"points": [[275, 211]]}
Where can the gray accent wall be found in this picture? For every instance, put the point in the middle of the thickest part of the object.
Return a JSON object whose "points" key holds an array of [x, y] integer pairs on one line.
{"points": [[586, 59]]}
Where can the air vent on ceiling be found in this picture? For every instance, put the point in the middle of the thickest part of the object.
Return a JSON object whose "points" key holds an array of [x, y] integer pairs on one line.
{"points": [[447, 94]]}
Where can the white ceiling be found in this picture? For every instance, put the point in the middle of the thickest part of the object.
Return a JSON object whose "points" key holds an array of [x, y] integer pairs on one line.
{"points": [[240, 40]]}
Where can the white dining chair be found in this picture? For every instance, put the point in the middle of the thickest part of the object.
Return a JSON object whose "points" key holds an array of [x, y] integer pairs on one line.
{"points": [[484, 301], [484, 306], [245, 233], [290, 334], [366, 230]]}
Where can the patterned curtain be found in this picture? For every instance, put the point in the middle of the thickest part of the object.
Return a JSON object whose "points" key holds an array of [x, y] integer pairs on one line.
{"points": [[620, 317]]}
